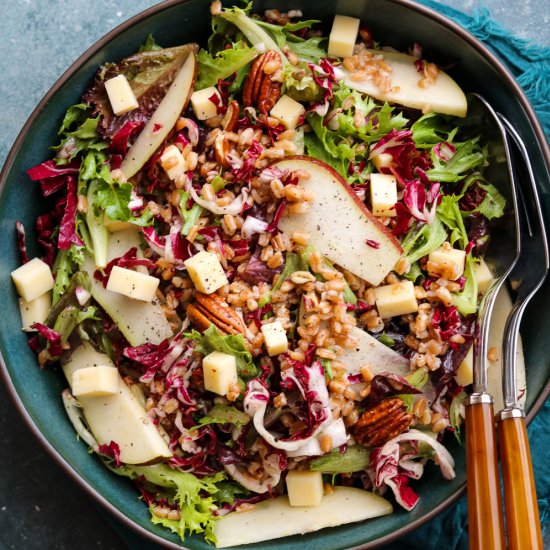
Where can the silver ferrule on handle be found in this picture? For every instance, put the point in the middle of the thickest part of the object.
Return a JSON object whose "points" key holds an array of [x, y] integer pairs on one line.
{"points": [[512, 412], [479, 398]]}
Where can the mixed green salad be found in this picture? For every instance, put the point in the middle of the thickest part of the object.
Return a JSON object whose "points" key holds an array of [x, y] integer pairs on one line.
{"points": [[262, 259]]}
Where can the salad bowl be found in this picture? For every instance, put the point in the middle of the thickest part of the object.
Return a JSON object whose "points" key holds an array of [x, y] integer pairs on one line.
{"points": [[36, 393]]}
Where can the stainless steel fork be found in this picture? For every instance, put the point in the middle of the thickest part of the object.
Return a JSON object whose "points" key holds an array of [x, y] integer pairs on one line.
{"points": [[520, 498]]}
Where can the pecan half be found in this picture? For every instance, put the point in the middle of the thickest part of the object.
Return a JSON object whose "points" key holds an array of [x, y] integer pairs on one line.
{"points": [[260, 89], [210, 308], [382, 422]]}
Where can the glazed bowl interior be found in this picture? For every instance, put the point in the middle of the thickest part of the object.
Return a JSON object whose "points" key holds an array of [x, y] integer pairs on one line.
{"points": [[397, 23]]}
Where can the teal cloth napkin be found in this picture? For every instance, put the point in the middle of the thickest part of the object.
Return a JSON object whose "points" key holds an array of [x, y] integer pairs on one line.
{"points": [[530, 64]]}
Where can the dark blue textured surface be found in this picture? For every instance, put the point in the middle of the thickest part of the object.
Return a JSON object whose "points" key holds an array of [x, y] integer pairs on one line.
{"points": [[41, 508]]}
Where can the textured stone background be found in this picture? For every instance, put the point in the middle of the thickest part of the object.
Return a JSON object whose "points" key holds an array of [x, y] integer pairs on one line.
{"points": [[39, 507]]}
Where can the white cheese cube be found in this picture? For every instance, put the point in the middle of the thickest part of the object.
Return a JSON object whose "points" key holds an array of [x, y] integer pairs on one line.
{"points": [[202, 103], [173, 162], [465, 373], [95, 381], [483, 275], [206, 272], [121, 95], [383, 160], [288, 112], [275, 338], [138, 286], [35, 311], [383, 194], [304, 488], [32, 279], [220, 372], [343, 36], [395, 299], [446, 262]]}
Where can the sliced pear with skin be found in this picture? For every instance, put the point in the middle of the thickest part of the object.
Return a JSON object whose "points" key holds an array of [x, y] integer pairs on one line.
{"points": [[371, 352], [139, 322], [444, 95], [120, 417], [275, 518], [163, 119], [339, 225]]}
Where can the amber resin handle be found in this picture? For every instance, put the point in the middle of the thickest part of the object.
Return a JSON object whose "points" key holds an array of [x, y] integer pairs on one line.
{"points": [[520, 495], [485, 519]]}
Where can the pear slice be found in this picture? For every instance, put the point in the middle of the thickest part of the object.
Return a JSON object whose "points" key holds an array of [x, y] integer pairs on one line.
{"points": [[339, 224], [163, 119], [120, 417], [275, 518], [443, 96], [139, 322], [372, 353]]}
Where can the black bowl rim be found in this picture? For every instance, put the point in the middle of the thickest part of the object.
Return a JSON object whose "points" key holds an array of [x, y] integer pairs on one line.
{"points": [[410, 4]]}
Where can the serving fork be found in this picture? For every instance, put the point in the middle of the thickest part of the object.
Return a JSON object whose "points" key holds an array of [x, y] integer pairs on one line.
{"points": [[485, 518], [522, 516]]}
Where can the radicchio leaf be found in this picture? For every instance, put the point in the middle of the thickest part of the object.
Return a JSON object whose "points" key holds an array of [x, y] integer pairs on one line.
{"points": [[67, 229]]}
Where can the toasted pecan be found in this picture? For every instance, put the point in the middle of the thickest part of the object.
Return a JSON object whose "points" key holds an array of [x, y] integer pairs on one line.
{"points": [[210, 308], [382, 422], [260, 89]]}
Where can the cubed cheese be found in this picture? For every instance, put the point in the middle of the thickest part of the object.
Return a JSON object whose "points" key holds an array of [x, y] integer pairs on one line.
{"points": [[206, 272], [120, 95], [205, 103], [32, 279], [304, 488], [288, 112], [383, 194], [483, 276], [35, 311], [446, 262], [173, 162], [395, 299], [95, 381], [343, 36], [275, 338], [220, 372], [138, 286], [383, 160], [465, 373]]}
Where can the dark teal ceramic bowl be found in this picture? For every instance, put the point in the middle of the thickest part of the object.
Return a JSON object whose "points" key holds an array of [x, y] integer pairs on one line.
{"points": [[37, 394]]}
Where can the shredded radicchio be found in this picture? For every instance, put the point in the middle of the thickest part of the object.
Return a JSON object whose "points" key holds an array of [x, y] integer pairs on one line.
{"points": [[21, 245], [67, 229], [53, 338], [120, 141], [112, 450], [52, 177]]}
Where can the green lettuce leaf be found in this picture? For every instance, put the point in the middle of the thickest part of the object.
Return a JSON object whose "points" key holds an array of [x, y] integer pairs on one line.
{"points": [[376, 126], [431, 129], [355, 459], [423, 239], [466, 300], [222, 65], [233, 344], [448, 212], [492, 205], [330, 146], [149, 45], [193, 496], [67, 262], [455, 417], [468, 156], [191, 216], [224, 414], [293, 263], [228, 491]]}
